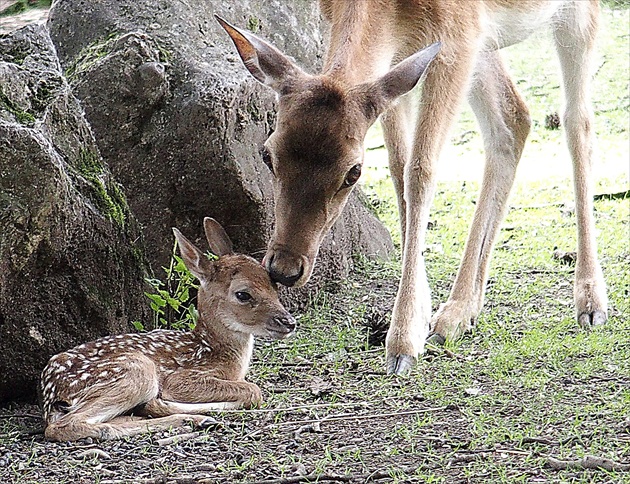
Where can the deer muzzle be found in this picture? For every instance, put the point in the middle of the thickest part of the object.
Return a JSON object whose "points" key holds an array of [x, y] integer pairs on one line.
{"points": [[287, 268]]}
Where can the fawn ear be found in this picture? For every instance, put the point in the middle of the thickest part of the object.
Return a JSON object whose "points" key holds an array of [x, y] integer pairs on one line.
{"points": [[378, 96], [266, 63], [197, 263], [219, 242]]}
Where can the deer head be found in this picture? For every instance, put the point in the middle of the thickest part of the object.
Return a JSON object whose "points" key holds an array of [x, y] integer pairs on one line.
{"points": [[316, 150], [235, 290]]}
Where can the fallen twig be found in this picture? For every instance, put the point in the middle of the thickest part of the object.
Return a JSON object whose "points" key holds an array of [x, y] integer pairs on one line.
{"points": [[22, 415], [587, 462], [180, 438], [307, 478], [538, 440], [297, 407]]}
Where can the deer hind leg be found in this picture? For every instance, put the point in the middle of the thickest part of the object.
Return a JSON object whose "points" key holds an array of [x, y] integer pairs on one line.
{"points": [[443, 90], [574, 38], [134, 382], [397, 125], [504, 122]]}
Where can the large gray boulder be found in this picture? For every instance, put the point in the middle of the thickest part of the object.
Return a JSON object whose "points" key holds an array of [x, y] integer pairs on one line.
{"points": [[71, 269], [180, 121]]}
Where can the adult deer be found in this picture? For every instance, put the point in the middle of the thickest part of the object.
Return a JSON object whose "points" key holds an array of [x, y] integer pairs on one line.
{"points": [[316, 151], [175, 376]]}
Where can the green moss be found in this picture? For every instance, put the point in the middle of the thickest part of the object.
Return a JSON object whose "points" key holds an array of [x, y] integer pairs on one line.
{"points": [[22, 117], [106, 195], [254, 111], [165, 55], [253, 23], [22, 5], [90, 55]]}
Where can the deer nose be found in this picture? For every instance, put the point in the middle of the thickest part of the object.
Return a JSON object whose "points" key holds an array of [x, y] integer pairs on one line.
{"points": [[285, 268]]}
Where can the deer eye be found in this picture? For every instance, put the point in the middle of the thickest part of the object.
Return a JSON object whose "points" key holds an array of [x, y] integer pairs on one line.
{"points": [[243, 296], [266, 157], [353, 176]]}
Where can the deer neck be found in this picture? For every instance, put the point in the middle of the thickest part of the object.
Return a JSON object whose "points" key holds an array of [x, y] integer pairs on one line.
{"points": [[233, 347], [361, 47]]}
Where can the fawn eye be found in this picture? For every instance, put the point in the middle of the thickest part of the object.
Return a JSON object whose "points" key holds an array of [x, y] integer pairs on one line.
{"points": [[353, 176], [243, 296], [266, 157]]}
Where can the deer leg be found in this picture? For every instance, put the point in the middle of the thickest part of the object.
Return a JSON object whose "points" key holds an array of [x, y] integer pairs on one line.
{"points": [[443, 90], [574, 38], [397, 126], [504, 122], [196, 387]]}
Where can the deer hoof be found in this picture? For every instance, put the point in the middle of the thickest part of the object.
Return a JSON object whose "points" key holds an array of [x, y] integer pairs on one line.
{"points": [[204, 423], [590, 320], [400, 364], [436, 339]]}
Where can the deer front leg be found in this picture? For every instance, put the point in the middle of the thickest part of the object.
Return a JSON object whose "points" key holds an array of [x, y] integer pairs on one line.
{"points": [[201, 387], [442, 92], [504, 122]]}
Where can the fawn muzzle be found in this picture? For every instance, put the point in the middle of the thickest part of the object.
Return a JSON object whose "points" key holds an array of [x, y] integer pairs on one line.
{"points": [[281, 326]]}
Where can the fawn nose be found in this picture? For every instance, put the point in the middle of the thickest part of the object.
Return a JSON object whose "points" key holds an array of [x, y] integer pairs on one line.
{"points": [[286, 322], [284, 267]]}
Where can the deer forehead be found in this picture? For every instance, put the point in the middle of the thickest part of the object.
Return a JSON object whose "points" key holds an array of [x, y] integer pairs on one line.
{"points": [[322, 127]]}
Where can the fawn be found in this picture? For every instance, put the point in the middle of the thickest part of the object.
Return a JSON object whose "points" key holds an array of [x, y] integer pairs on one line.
{"points": [[104, 389]]}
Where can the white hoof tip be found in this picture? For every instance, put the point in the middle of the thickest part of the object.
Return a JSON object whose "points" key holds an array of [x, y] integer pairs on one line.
{"points": [[400, 365], [590, 320], [436, 339]]}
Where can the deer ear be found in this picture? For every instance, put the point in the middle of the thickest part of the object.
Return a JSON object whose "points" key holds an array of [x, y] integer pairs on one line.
{"points": [[218, 240], [380, 95], [266, 63], [195, 260]]}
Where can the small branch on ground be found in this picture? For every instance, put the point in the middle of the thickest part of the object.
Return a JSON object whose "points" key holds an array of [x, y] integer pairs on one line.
{"points": [[22, 415], [180, 438], [345, 416], [538, 440], [587, 462], [307, 478]]}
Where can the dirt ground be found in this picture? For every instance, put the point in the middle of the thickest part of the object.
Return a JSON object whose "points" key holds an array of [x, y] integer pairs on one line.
{"points": [[336, 417]]}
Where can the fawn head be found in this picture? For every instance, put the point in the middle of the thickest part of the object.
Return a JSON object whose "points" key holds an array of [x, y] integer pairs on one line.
{"points": [[316, 150], [234, 290]]}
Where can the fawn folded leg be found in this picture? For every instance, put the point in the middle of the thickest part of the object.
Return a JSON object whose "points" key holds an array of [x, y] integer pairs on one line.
{"points": [[444, 87], [198, 387], [574, 38], [504, 122]]}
